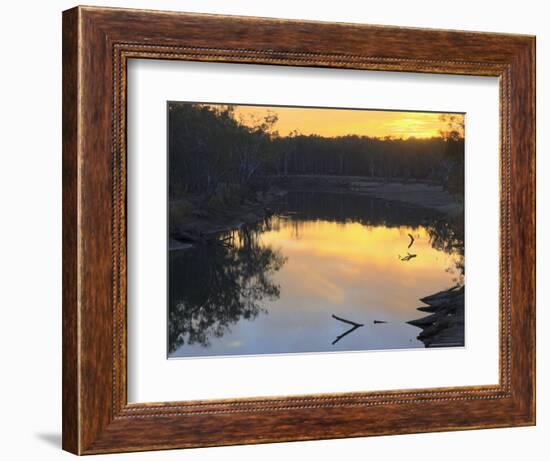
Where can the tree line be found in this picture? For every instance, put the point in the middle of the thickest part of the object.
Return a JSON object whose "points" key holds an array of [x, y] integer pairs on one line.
{"points": [[209, 146]]}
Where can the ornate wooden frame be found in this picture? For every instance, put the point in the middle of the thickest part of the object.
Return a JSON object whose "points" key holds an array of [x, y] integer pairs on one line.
{"points": [[97, 43]]}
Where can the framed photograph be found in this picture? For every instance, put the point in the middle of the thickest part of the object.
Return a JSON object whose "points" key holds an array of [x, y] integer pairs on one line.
{"points": [[279, 230]]}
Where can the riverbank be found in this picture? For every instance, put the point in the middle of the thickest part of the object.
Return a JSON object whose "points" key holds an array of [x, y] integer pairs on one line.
{"points": [[191, 224], [444, 326], [425, 194]]}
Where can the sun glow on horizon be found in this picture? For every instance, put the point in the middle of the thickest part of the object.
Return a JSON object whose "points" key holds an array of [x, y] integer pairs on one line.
{"points": [[344, 122]]}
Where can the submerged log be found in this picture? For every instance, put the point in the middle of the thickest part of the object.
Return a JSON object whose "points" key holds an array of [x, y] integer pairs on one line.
{"points": [[444, 327], [174, 245], [354, 326], [349, 322], [443, 296], [192, 237], [345, 333], [425, 321], [427, 308]]}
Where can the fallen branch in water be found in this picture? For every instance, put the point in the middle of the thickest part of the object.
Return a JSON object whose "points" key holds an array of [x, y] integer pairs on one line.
{"points": [[444, 327], [444, 296], [408, 257], [192, 237], [349, 322], [347, 332]]}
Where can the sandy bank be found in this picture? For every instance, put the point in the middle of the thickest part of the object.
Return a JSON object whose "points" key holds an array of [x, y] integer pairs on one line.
{"points": [[418, 194], [421, 194]]}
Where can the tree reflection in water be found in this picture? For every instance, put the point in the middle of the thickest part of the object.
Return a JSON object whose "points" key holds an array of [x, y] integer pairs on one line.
{"points": [[214, 286], [447, 235]]}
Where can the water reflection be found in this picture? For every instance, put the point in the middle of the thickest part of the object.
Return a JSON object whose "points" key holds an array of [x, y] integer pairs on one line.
{"points": [[285, 284], [214, 286]]}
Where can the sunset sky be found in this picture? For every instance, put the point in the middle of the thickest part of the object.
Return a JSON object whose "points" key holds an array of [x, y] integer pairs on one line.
{"points": [[341, 122]]}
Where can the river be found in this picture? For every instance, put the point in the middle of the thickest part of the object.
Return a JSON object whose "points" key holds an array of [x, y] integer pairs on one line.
{"points": [[301, 279]]}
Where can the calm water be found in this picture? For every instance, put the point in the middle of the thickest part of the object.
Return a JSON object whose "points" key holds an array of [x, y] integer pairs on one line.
{"points": [[274, 287]]}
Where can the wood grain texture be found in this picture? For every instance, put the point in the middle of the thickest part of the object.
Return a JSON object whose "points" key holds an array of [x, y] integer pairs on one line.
{"points": [[70, 384], [97, 43]]}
